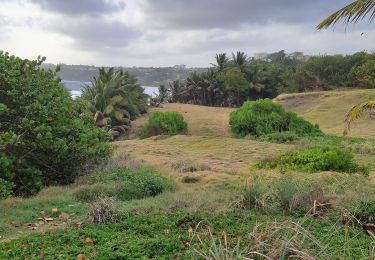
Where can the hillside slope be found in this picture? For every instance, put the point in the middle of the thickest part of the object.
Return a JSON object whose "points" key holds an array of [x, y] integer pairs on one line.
{"points": [[202, 120], [328, 109]]}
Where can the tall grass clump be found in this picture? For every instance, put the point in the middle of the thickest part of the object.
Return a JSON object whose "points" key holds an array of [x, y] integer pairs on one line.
{"points": [[263, 118], [168, 123], [317, 159], [287, 193], [102, 211]]}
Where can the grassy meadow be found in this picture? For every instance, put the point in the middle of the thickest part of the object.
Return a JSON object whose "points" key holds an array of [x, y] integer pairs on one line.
{"points": [[207, 199]]}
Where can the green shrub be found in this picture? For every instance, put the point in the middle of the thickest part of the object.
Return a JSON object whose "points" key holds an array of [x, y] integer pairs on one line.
{"points": [[124, 184], [90, 193], [43, 139], [316, 159], [264, 118], [168, 123], [6, 188]]}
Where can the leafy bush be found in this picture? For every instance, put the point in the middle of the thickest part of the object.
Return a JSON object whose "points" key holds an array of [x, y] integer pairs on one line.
{"points": [[124, 184], [169, 123], [6, 188], [264, 118], [316, 159], [43, 139]]}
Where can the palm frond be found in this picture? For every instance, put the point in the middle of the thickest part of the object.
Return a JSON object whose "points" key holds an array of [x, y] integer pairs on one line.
{"points": [[351, 13], [356, 112]]}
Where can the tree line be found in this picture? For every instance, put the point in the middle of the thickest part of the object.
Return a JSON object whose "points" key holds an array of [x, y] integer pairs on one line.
{"points": [[234, 79]]}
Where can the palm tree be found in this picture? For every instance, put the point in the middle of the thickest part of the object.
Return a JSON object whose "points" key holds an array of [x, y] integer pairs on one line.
{"points": [[351, 13], [221, 61], [115, 98], [163, 94], [239, 59], [176, 90], [357, 111]]}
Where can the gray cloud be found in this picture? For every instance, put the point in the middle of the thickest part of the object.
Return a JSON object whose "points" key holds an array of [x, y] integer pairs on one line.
{"points": [[97, 34], [80, 7], [205, 14]]}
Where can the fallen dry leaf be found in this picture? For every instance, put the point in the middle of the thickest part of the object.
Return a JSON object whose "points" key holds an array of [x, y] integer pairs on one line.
{"points": [[55, 210], [81, 257], [48, 219], [89, 241], [370, 229], [40, 246], [190, 229]]}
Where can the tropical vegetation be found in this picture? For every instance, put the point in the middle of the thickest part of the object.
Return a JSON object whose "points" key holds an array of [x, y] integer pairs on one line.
{"points": [[114, 99], [233, 80]]}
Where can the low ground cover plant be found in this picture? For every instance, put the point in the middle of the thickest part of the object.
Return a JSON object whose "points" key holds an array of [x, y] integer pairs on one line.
{"points": [[317, 159], [167, 123], [166, 236], [263, 118], [123, 183]]}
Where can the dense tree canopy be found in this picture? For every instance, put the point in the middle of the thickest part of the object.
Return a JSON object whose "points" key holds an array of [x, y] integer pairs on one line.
{"points": [[230, 82]]}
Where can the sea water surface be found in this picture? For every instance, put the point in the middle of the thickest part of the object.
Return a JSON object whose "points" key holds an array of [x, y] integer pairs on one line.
{"points": [[75, 88]]}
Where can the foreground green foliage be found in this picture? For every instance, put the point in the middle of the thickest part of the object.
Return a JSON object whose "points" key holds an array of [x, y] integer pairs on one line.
{"points": [[44, 140], [316, 159], [123, 183], [168, 123], [184, 235], [6, 189], [263, 118], [351, 13]]}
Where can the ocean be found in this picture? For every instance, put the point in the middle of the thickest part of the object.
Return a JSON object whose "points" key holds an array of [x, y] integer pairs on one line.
{"points": [[75, 88]]}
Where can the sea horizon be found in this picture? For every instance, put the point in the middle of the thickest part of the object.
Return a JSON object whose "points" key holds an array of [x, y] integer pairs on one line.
{"points": [[75, 88]]}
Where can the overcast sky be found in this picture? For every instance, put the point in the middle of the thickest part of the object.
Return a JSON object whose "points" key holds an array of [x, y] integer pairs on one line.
{"points": [[168, 32]]}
